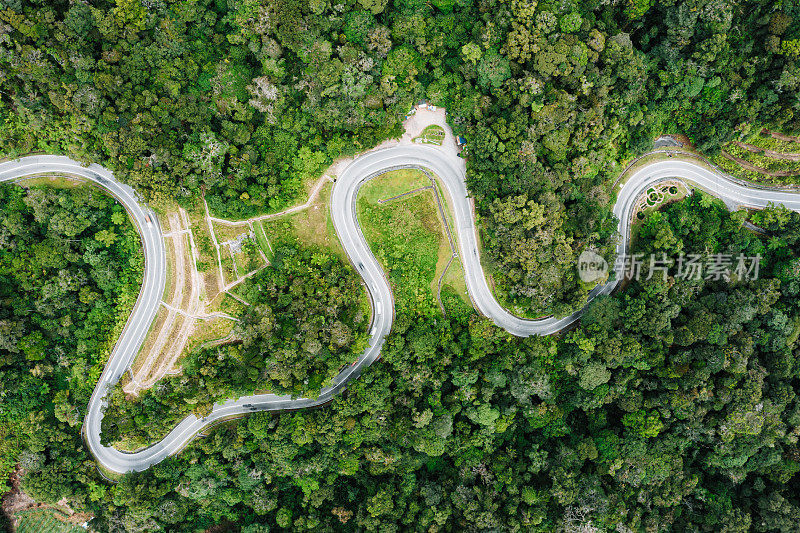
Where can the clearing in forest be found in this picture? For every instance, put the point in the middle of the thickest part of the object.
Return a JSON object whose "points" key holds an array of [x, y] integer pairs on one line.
{"points": [[404, 217], [193, 309], [208, 258]]}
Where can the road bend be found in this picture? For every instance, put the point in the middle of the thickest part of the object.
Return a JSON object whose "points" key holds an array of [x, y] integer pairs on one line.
{"points": [[451, 173]]}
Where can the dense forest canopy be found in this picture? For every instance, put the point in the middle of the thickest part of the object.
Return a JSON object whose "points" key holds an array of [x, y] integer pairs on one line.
{"points": [[70, 271], [673, 405], [246, 99]]}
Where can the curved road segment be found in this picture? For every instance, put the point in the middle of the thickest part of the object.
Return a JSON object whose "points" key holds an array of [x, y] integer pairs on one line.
{"points": [[450, 171]]}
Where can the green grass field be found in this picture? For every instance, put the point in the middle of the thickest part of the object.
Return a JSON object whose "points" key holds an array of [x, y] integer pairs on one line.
{"points": [[59, 182], [407, 236], [263, 241], [309, 227], [432, 134]]}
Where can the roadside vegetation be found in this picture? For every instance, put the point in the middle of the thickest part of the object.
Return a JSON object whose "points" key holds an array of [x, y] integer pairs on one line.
{"points": [[70, 271], [192, 313], [405, 230], [666, 393], [550, 98], [311, 227], [657, 197], [304, 322], [673, 406], [762, 158]]}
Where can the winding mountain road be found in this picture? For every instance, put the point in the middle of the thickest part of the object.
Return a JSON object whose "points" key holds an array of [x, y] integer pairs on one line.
{"points": [[451, 172]]}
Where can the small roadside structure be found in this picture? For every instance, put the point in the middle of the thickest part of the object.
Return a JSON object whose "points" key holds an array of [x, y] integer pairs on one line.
{"points": [[461, 141]]}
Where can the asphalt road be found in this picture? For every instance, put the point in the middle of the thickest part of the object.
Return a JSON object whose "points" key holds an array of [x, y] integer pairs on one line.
{"points": [[451, 172]]}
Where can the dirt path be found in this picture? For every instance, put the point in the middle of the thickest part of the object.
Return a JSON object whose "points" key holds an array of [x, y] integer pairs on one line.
{"points": [[749, 166], [781, 136], [157, 347], [311, 199], [769, 153], [184, 308], [214, 241]]}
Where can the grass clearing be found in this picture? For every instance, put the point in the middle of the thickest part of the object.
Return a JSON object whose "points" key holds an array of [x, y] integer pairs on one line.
{"points": [[238, 292], [162, 320], [397, 182], [228, 266], [56, 181], [207, 262], [209, 331], [454, 280], [432, 134], [224, 303], [185, 320], [443, 257], [169, 284], [454, 291], [407, 235], [248, 257], [310, 227], [230, 232], [263, 241]]}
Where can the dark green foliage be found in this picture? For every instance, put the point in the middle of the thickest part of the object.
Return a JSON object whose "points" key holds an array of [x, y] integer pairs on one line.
{"points": [[304, 323], [246, 100], [673, 407], [641, 418], [70, 270]]}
